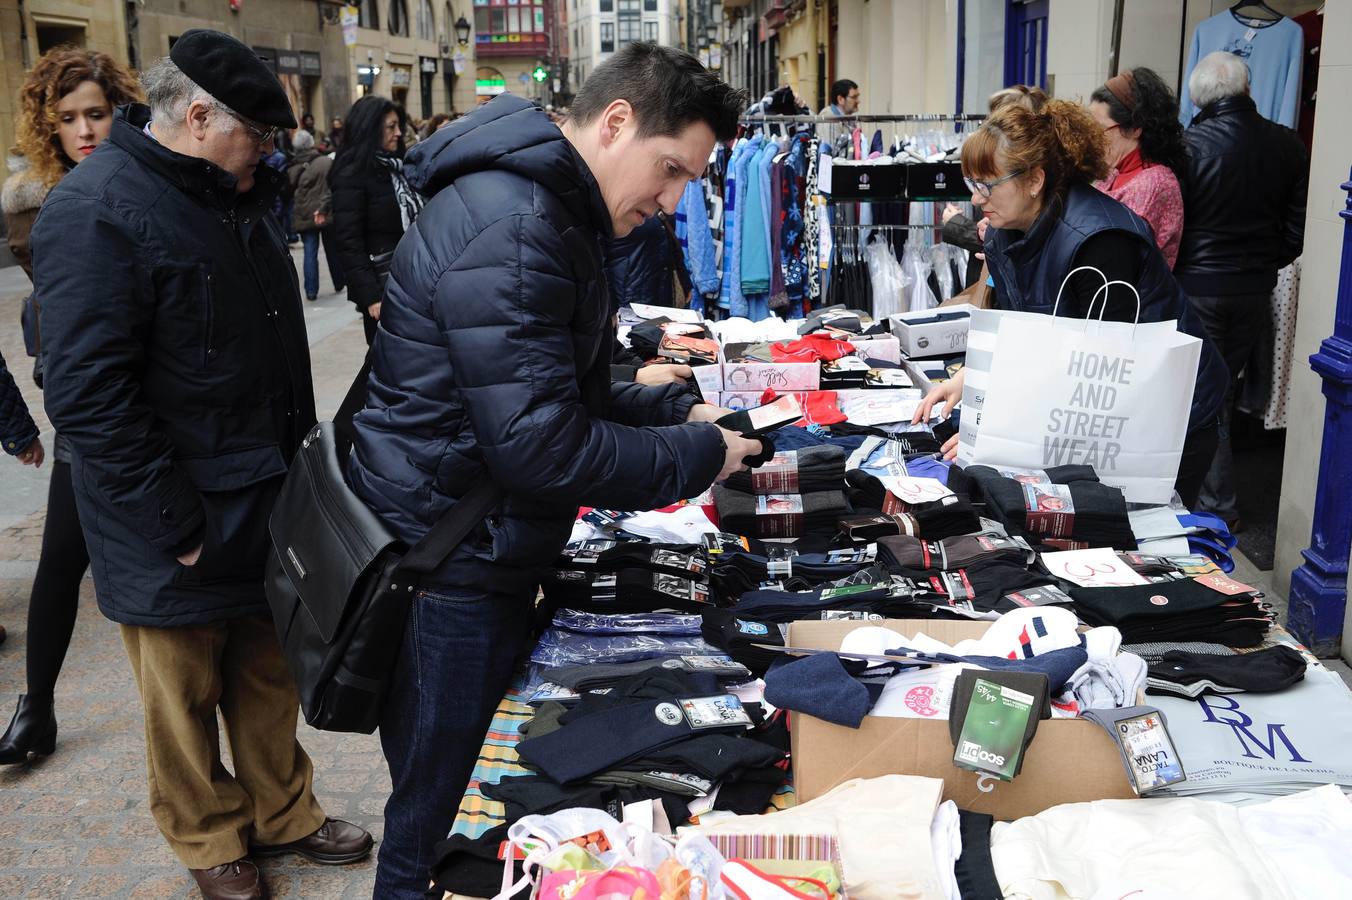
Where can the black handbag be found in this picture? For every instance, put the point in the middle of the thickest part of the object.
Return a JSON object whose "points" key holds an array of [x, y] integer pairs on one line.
{"points": [[380, 265], [340, 585]]}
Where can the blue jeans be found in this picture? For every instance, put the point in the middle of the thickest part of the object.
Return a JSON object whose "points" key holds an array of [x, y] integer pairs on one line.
{"points": [[310, 239], [459, 648]]}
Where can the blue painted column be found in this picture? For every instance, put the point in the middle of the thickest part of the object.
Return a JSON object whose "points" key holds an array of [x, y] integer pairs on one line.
{"points": [[1319, 587]]}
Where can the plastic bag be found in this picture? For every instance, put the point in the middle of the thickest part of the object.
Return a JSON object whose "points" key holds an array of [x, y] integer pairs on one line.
{"points": [[889, 281]]}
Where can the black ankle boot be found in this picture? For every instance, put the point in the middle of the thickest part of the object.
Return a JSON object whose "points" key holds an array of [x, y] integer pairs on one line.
{"points": [[32, 730]]}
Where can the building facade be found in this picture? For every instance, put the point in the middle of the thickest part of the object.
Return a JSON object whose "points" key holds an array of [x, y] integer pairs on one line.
{"points": [[29, 28], [419, 53], [597, 28]]}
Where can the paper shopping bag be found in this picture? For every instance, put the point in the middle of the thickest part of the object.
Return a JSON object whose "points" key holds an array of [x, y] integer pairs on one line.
{"points": [[1044, 391]]}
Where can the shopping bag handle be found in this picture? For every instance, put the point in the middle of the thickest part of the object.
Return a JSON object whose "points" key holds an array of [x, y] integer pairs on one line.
{"points": [[1069, 275], [1104, 308]]}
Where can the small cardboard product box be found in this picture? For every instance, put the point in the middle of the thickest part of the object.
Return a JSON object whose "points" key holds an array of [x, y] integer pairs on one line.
{"points": [[783, 377], [932, 338], [1069, 760], [883, 346]]}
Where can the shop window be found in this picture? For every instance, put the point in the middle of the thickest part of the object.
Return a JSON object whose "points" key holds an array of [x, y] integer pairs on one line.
{"points": [[427, 23], [399, 18], [368, 14]]}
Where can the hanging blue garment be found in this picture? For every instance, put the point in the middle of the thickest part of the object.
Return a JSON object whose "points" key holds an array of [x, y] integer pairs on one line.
{"points": [[698, 243], [755, 241], [733, 266], [728, 269]]}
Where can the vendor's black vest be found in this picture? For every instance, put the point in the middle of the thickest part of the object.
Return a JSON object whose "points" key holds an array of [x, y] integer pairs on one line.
{"points": [[1028, 271]]}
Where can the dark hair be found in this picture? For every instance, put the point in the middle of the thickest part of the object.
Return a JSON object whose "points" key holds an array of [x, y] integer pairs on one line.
{"points": [[668, 89], [363, 134], [1155, 114], [842, 88]]}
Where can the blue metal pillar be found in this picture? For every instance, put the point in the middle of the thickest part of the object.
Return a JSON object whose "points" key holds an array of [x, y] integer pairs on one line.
{"points": [[1319, 586]]}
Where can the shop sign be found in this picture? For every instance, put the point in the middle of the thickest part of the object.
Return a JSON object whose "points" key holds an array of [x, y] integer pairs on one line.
{"points": [[288, 62], [427, 64], [490, 87], [401, 76], [310, 65], [351, 18]]}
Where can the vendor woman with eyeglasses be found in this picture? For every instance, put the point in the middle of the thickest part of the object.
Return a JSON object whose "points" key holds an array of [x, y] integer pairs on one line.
{"points": [[1032, 175]]}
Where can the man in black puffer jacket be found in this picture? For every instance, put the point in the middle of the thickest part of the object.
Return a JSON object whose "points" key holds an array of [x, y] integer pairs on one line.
{"points": [[492, 362], [1244, 220]]}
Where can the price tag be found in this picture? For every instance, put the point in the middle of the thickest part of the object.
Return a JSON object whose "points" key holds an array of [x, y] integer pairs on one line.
{"points": [[910, 490], [1218, 582], [1099, 567]]}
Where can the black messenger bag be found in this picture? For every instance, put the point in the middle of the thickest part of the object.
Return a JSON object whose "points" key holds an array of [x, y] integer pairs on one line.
{"points": [[340, 584]]}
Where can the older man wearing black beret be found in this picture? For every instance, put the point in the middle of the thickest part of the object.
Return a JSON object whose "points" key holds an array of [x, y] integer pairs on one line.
{"points": [[178, 366]]}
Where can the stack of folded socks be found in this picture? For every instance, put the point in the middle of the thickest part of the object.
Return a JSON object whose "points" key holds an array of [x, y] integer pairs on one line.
{"points": [[1193, 674], [964, 481], [732, 573], [625, 591], [806, 471], [905, 552], [1072, 515], [1183, 610], [779, 515]]}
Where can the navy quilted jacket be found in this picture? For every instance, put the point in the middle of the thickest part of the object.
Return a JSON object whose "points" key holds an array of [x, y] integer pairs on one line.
{"points": [[17, 429], [493, 355]]}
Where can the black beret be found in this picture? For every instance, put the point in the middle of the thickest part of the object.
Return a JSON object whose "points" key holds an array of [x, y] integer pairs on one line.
{"points": [[233, 74]]}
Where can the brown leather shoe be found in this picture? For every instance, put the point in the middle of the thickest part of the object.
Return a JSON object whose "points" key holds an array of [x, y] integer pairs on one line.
{"points": [[238, 880], [335, 843]]}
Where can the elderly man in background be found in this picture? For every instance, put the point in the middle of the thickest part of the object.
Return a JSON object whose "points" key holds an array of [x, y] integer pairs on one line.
{"points": [[177, 365], [1243, 221]]}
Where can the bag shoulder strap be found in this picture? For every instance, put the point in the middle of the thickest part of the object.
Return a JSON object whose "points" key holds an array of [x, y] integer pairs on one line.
{"points": [[451, 529]]}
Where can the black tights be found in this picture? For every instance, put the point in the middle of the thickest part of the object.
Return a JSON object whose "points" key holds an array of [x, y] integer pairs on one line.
{"points": [[56, 588]]}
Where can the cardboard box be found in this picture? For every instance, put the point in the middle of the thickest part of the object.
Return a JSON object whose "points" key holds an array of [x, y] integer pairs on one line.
{"points": [[1069, 760], [932, 338], [884, 347], [710, 381], [783, 377]]}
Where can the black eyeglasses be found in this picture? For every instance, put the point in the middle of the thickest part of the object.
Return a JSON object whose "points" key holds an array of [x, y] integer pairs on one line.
{"points": [[984, 188], [260, 134]]}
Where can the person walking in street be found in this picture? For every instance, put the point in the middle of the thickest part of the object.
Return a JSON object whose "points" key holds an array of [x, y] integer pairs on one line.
{"points": [[178, 367], [67, 104], [308, 214], [1244, 198], [373, 204], [492, 366], [1145, 151]]}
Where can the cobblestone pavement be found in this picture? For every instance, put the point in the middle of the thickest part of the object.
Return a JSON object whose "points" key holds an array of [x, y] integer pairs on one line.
{"points": [[78, 824]]}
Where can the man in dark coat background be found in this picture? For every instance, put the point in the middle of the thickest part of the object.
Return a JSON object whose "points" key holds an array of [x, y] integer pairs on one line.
{"points": [[492, 364], [178, 367], [1244, 199]]}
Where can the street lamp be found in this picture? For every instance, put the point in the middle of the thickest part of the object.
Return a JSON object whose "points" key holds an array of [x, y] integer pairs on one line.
{"points": [[462, 30]]}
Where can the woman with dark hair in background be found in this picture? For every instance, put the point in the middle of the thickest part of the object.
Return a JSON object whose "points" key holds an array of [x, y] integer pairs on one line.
{"points": [[1139, 117], [373, 204], [66, 111]]}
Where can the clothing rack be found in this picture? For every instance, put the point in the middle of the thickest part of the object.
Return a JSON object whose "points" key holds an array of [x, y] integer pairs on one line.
{"points": [[807, 119], [854, 226]]}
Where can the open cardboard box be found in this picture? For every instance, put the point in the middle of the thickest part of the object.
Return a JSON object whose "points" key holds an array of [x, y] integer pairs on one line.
{"points": [[1069, 760]]}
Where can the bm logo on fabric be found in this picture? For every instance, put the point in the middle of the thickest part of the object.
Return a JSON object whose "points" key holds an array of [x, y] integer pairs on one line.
{"points": [[1242, 724]]}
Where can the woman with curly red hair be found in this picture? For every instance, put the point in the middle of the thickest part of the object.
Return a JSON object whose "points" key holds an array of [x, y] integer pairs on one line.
{"points": [[66, 110], [1032, 174]]}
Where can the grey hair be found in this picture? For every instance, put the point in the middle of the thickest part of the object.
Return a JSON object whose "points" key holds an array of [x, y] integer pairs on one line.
{"points": [[169, 93], [302, 140], [1219, 75]]}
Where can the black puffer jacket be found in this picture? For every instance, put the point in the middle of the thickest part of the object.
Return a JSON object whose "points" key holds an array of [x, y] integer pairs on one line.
{"points": [[1243, 201], [177, 366], [642, 265], [493, 355], [366, 223]]}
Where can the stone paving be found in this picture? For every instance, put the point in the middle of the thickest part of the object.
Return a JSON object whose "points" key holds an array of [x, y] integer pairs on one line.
{"points": [[77, 824]]}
